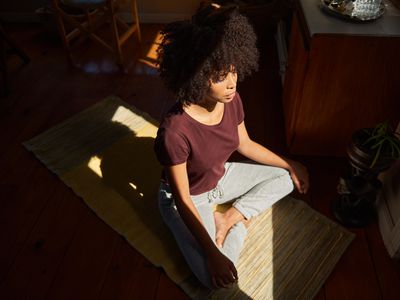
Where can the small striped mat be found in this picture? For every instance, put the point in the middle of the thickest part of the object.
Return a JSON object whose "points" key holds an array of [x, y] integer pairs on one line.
{"points": [[104, 154]]}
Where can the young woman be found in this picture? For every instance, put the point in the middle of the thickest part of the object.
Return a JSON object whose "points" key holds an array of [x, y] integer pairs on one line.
{"points": [[201, 61]]}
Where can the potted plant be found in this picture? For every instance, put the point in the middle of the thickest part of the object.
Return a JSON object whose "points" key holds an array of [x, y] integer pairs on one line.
{"points": [[371, 151]]}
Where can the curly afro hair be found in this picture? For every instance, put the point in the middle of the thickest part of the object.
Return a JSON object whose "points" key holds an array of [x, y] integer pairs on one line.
{"points": [[206, 47]]}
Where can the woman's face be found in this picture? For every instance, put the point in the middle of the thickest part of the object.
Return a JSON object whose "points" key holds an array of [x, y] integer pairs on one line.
{"points": [[223, 89]]}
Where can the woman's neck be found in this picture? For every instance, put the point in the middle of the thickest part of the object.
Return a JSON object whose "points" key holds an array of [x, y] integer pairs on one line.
{"points": [[206, 105], [206, 111]]}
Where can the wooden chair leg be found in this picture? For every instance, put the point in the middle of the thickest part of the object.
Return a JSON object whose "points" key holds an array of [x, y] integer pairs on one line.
{"points": [[63, 33], [89, 18], [87, 29], [115, 35], [135, 18]]}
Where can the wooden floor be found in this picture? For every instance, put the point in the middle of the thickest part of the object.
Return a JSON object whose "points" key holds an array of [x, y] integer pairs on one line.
{"points": [[54, 247]]}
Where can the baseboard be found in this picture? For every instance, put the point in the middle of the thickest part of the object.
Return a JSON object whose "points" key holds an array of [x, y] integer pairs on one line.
{"points": [[158, 18]]}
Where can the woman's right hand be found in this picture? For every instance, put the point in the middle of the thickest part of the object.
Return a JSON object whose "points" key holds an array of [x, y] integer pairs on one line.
{"points": [[222, 270]]}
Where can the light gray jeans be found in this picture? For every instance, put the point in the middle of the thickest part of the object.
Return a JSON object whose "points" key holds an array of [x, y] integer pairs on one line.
{"points": [[252, 188]]}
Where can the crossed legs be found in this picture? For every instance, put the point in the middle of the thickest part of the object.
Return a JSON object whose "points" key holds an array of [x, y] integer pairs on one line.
{"points": [[252, 188]]}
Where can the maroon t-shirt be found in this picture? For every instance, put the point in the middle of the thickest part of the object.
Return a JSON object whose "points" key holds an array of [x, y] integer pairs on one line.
{"points": [[205, 148]]}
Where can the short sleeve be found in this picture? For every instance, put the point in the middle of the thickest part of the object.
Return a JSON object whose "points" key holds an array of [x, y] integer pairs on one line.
{"points": [[170, 147], [239, 109]]}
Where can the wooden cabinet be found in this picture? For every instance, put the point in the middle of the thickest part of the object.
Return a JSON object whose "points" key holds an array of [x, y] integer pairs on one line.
{"points": [[338, 79]]}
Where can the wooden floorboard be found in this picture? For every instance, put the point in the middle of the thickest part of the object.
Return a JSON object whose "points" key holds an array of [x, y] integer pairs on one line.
{"points": [[387, 275], [130, 275], [84, 267], [357, 263], [55, 247], [37, 263], [20, 215]]}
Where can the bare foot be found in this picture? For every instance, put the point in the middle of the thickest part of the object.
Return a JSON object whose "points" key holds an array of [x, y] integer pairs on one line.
{"points": [[221, 228]]}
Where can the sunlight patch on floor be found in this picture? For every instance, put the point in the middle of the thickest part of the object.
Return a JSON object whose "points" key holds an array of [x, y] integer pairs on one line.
{"points": [[152, 53], [94, 165], [135, 188], [147, 63], [136, 123], [123, 116]]}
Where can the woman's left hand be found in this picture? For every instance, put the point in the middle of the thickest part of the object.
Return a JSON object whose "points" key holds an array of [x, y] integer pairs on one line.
{"points": [[299, 175]]}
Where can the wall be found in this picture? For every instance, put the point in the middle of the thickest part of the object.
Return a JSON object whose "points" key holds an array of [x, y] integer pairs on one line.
{"points": [[161, 11], [150, 11]]}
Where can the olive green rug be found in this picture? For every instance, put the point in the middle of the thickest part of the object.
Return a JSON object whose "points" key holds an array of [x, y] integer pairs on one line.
{"points": [[105, 155]]}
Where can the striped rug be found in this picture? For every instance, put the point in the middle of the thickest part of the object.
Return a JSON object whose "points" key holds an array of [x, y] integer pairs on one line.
{"points": [[104, 154]]}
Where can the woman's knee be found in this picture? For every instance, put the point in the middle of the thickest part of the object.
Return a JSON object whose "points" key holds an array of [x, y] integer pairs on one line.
{"points": [[286, 182], [282, 175]]}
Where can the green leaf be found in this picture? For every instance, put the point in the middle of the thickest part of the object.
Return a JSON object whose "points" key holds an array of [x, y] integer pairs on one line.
{"points": [[378, 152], [379, 143], [369, 140]]}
